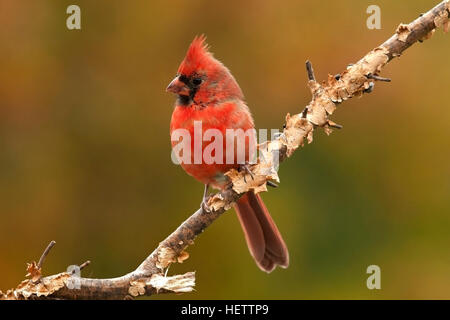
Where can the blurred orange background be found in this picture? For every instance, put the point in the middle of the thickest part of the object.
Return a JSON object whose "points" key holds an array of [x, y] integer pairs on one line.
{"points": [[85, 148]]}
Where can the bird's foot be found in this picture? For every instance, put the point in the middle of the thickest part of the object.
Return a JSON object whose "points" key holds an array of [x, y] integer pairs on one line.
{"points": [[246, 168], [204, 203]]}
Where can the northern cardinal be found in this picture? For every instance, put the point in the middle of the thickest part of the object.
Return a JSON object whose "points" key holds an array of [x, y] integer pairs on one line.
{"points": [[207, 92]]}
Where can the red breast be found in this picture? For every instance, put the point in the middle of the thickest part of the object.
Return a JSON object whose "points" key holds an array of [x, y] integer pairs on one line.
{"points": [[228, 115]]}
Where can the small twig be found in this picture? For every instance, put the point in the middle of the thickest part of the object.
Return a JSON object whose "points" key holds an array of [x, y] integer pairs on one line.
{"points": [[272, 184], [378, 78], [310, 71], [83, 265], [45, 253], [334, 125]]}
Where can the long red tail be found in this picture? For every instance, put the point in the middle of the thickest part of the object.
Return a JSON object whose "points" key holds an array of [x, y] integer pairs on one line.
{"points": [[263, 238]]}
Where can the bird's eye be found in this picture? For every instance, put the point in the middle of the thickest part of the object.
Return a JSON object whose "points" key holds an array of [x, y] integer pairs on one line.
{"points": [[197, 81]]}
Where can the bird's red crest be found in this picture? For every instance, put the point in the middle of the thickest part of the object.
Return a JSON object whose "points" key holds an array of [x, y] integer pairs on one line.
{"points": [[197, 57]]}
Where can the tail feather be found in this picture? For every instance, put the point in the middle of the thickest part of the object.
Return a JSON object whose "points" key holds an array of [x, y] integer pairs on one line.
{"points": [[264, 241]]}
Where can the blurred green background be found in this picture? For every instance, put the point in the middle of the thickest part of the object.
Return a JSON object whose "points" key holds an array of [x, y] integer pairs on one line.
{"points": [[85, 151]]}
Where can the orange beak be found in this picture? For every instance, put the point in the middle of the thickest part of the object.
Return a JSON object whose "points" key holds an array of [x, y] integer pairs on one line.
{"points": [[178, 87]]}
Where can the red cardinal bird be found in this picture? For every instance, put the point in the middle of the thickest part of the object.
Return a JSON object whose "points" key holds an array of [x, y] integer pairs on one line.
{"points": [[207, 92]]}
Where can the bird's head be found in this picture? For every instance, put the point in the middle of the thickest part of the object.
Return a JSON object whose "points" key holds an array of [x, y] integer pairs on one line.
{"points": [[203, 80]]}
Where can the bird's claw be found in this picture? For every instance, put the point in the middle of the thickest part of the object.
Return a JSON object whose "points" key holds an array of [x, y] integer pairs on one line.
{"points": [[247, 170], [204, 205]]}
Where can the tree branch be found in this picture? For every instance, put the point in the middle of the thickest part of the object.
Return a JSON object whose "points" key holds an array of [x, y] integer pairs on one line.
{"points": [[45, 253], [149, 278]]}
